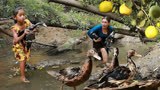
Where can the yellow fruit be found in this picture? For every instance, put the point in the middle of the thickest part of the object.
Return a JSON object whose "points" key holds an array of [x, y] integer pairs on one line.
{"points": [[151, 32], [140, 14], [125, 10], [105, 6], [158, 25], [154, 11]]}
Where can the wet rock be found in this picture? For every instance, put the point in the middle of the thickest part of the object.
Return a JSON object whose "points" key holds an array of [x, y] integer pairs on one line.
{"points": [[75, 62], [148, 66], [53, 63], [50, 63], [156, 73], [67, 46], [128, 40], [144, 73], [118, 36]]}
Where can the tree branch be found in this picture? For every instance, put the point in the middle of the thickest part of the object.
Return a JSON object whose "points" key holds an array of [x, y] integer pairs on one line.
{"points": [[89, 8], [44, 44], [95, 10]]}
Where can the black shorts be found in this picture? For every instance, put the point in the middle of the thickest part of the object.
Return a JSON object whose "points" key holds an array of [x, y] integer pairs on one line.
{"points": [[98, 46]]}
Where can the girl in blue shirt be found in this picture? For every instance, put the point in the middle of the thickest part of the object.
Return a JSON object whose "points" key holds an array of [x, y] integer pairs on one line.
{"points": [[102, 31]]}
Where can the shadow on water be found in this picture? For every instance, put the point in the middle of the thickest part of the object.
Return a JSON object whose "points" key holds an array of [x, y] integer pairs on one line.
{"points": [[40, 80]]}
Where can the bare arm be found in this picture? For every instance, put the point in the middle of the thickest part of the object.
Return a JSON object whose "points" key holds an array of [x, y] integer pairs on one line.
{"points": [[15, 35], [98, 40], [34, 30]]}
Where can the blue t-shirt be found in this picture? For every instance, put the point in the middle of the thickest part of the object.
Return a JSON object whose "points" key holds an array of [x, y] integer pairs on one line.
{"points": [[98, 30]]}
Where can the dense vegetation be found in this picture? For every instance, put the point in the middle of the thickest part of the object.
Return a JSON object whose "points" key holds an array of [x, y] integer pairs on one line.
{"points": [[51, 13], [69, 17]]}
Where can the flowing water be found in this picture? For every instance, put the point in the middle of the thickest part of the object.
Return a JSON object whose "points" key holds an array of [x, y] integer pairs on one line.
{"points": [[40, 80]]}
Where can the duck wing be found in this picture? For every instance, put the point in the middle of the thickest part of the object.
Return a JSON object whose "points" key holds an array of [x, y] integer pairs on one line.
{"points": [[119, 73], [71, 72]]}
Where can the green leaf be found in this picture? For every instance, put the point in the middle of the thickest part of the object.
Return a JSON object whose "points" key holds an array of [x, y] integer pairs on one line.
{"points": [[129, 4], [142, 23], [147, 23], [121, 1]]}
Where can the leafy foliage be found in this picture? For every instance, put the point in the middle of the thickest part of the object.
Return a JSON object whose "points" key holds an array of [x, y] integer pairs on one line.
{"points": [[50, 13], [61, 15]]}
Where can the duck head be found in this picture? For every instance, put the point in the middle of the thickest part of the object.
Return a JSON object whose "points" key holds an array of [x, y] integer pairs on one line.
{"points": [[116, 51], [133, 52], [92, 53]]}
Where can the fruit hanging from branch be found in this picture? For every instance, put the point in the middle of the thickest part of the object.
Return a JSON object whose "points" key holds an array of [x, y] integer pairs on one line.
{"points": [[125, 10], [158, 25], [105, 6], [151, 32], [154, 11]]}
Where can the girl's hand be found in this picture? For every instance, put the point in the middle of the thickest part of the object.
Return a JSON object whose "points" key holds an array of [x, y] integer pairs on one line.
{"points": [[35, 30], [26, 31], [98, 40]]}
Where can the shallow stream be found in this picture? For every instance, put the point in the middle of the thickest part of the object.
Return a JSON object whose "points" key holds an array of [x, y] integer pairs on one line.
{"points": [[40, 80]]}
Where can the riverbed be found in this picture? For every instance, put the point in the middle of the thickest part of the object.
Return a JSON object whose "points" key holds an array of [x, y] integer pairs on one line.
{"points": [[40, 80]]}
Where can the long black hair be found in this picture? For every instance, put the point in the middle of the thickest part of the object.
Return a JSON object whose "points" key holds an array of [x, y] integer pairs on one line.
{"points": [[108, 18], [15, 12]]}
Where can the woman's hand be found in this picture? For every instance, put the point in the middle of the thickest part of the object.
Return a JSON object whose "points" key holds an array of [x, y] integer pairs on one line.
{"points": [[98, 40], [26, 31]]}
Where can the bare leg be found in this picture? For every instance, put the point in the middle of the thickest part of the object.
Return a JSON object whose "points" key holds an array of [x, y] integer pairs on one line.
{"points": [[104, 55], [61, 87], [74, 88], [22, 69]]}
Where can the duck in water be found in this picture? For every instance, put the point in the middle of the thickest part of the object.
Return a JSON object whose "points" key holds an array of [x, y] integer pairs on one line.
{"points": [[75, 76], [119, 73]]}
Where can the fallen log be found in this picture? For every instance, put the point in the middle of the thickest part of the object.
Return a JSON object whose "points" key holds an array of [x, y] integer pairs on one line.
{"points": [[44, 44], [89, 8], [6, 21], [5, 24], [142, 85], [4, 29]]}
